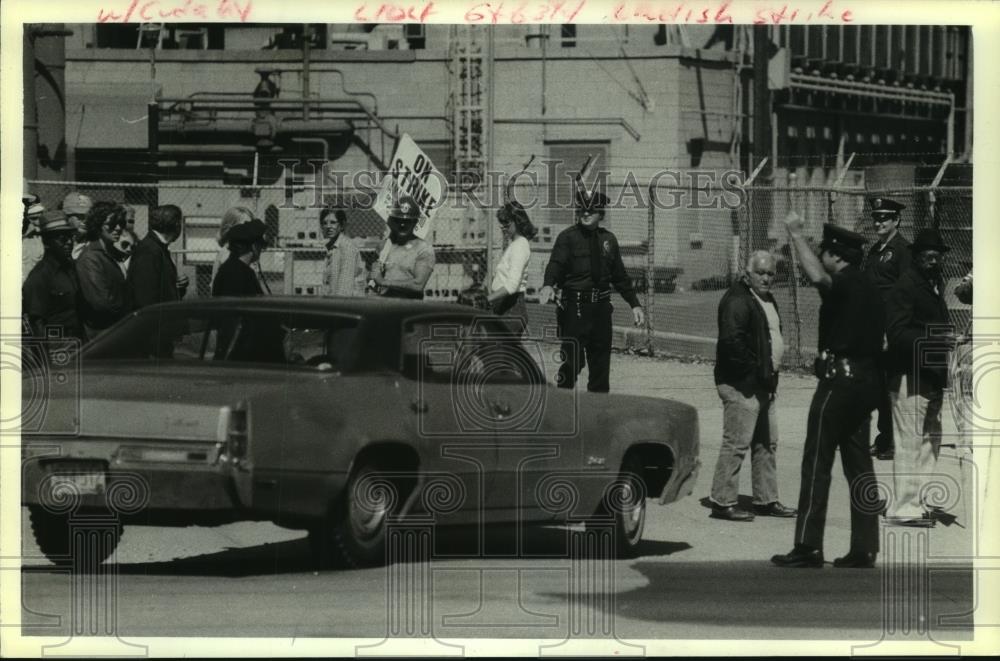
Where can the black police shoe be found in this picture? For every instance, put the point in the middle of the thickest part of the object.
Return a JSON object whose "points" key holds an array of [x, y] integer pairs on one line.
{"points": [[800, 556], [775, 509], [856, 560], [730, 513]]}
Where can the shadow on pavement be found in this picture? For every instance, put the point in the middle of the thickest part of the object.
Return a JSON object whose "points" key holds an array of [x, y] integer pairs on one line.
{"points": [[772, 597], [294, 556]]}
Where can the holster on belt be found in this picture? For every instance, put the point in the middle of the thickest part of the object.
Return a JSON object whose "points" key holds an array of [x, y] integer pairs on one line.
{"points": [[830, 366]]}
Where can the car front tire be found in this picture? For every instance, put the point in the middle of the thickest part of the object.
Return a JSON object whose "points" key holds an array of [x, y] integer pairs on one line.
{"points": [[624, 505]]}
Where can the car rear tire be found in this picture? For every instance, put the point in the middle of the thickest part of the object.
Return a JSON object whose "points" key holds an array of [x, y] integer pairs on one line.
{"points": [[624, 504], [355, 533], [52, 534]]}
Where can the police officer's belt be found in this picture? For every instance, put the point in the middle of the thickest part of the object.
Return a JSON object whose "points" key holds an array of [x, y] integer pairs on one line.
{"points": [[588, 295], [828, 365]]}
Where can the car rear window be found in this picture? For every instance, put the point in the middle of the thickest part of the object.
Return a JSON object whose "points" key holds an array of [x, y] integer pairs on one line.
{"points": [[320, 342]]}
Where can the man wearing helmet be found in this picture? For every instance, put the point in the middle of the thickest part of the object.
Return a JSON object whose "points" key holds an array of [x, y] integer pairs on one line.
{"points": [[406, 262]]}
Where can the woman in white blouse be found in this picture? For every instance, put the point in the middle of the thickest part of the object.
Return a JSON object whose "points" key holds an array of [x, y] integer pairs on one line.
{"points": [[506, 295]]}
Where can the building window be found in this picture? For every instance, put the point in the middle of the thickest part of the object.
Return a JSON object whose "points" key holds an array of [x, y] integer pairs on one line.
{"points": [[567, 35], [166, 36]]}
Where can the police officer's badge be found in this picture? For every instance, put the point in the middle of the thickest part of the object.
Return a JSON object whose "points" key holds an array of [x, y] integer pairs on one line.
{"points": [[886, 256]]}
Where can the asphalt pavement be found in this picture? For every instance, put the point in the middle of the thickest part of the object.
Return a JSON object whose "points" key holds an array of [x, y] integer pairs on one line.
{"points": [[697, 578]]}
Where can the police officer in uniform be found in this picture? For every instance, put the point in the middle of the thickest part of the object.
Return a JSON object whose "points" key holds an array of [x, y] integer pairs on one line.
{"points": [[887, 259], [851, 328], [585, 263]]}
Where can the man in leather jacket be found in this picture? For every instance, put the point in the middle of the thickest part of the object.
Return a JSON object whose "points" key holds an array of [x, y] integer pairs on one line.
{"points": [[748, 354]]}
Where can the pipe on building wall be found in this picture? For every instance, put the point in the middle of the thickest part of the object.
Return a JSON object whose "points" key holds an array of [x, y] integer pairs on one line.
{"points": [[567, 121], [575, 121], [223, 102]]}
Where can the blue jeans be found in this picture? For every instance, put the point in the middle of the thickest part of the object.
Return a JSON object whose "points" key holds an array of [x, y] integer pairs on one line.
{"points": [[747, 423]]}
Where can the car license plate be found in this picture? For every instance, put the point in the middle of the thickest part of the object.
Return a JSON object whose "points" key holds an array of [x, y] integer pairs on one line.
{"points": [[84, 483]]}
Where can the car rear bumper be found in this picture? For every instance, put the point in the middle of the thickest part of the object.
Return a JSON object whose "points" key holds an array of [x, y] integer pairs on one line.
{"points": [[126, 477]]}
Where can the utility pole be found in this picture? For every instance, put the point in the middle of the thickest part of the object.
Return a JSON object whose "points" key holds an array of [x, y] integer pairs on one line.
{"points": [[760, 200], [761, 102]]}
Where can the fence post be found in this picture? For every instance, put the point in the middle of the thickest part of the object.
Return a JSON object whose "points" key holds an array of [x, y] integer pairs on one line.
{"points": [[650, 261], [288, 257]]}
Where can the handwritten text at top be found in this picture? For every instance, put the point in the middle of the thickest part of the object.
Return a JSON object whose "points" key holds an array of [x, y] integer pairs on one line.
{"points": [[143, 11], [502, 12], [723, 12]]}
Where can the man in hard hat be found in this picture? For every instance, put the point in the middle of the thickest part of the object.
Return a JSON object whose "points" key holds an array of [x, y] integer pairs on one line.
{"points": [[406, 262]]}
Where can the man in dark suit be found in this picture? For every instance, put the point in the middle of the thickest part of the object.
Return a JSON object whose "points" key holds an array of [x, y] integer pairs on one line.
{"points": [[152, 275], [920, 333]]}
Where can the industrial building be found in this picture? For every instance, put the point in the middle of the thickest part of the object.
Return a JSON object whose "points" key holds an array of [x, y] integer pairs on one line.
{"points": [[179, 109]]}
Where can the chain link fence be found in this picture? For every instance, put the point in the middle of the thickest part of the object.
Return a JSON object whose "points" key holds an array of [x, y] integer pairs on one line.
{"points": [[682, 245]]}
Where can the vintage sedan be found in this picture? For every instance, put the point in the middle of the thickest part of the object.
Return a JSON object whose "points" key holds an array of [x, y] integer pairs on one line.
{"points": [[348, 418]]}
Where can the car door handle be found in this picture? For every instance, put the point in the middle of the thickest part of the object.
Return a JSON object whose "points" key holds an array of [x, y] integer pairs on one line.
{"points": [[419, 406]]}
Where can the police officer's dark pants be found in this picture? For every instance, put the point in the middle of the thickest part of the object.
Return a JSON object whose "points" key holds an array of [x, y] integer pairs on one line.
{"points": [[838, 407], [883, 440], [585, 328]]}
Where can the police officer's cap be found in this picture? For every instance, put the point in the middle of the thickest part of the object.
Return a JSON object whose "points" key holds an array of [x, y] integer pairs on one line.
{"points": [[54, 222], [594, 201], [248, 232], [883, 205], [834, 235], [928, 239], [405, 209]]}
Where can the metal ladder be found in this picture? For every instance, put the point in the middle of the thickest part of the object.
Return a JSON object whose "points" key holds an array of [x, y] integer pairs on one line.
{"points": [[465, 111]]}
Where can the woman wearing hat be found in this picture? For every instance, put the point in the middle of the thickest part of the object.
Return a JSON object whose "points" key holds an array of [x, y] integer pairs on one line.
{"points": [[234, 216], [236, 277], [510, 279]]}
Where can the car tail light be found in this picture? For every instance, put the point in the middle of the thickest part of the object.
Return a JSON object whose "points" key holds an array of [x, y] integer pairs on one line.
{"points": [[237, 434]]}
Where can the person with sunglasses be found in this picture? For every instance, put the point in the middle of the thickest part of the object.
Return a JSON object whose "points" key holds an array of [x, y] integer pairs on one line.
{"points": [[887, 259], [509, 284], [102, 281]]}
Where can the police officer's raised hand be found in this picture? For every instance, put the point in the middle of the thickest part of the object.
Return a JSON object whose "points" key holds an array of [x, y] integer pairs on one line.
{"points": [[546, 294], [638, 315], [794, 222]]}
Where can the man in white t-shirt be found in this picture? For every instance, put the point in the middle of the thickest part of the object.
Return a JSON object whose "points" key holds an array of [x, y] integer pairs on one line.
{"points": [[748, 355]]}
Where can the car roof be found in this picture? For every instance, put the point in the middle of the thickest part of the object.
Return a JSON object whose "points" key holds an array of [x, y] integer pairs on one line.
{"points": [[380, 308]]}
